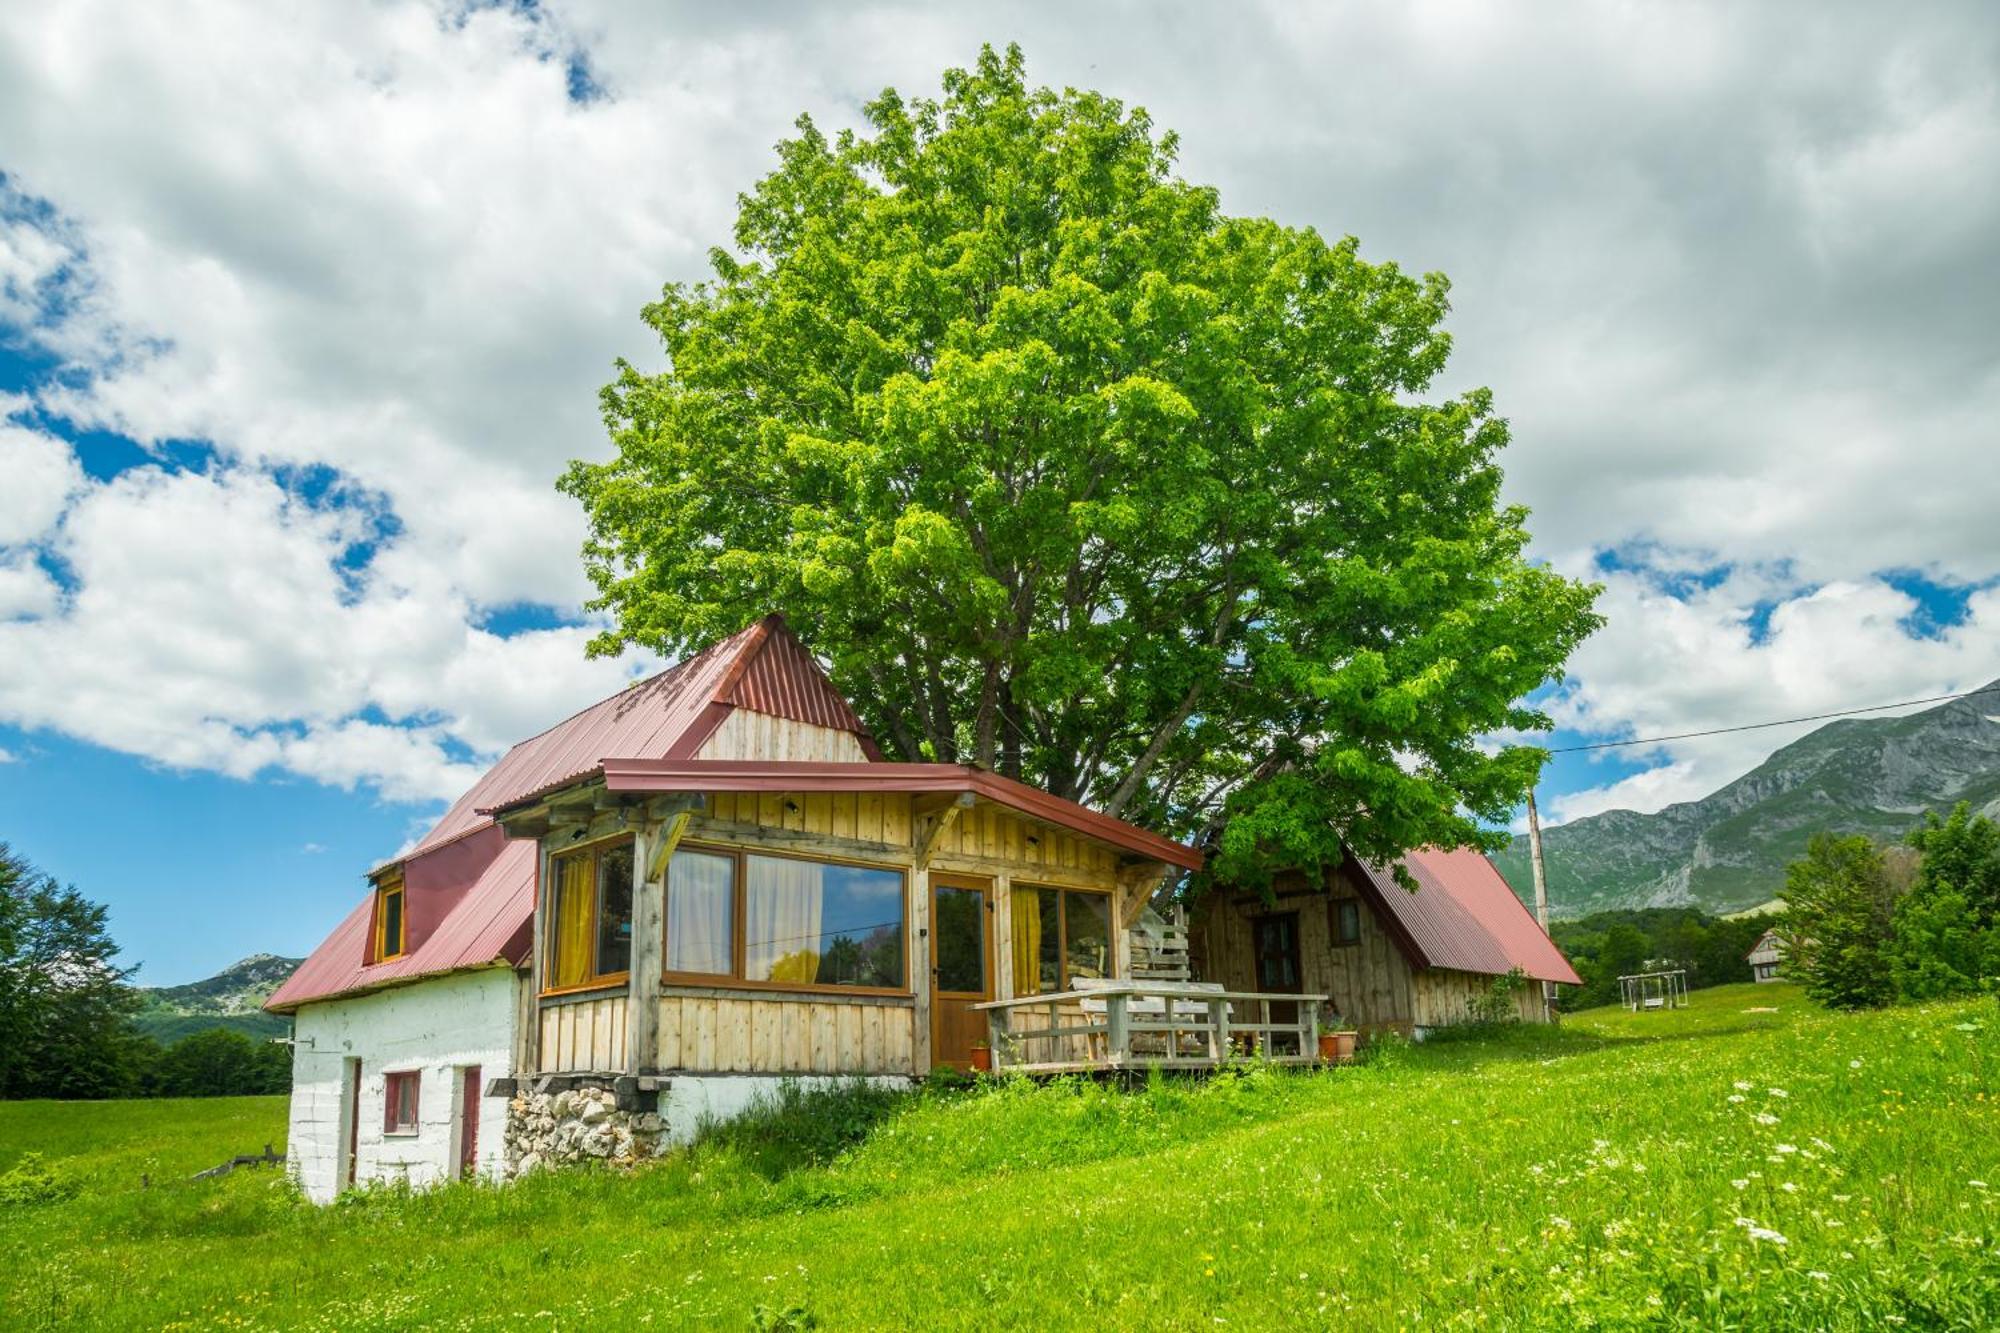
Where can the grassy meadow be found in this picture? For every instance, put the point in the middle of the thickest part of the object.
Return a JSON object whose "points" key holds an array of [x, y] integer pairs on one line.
{"points": [[1749, 1162]]}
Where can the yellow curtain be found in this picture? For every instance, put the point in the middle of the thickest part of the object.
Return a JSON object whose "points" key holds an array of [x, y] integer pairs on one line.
{"points": [[575, 882], [1027, 913]]}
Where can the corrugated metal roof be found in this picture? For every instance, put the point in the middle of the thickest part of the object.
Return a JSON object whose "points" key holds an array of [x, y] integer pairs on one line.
{"points": [[491, 924], [1464, 916], [763, 668]]}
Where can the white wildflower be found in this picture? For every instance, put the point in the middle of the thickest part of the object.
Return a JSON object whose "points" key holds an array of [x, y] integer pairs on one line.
{"points": [[1741, 1184], [1742, 1086], [1789, 1188], [1765, 1118], [1787, 1148], [1818, 1276], [1735, 1096], [1977, 1184], [1854, 1064], [1777, 1092]]}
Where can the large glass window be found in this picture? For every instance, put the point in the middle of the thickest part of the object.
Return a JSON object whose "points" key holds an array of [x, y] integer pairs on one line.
{"points": [[1059, 936], [701, 913], [782, 920], [590, 916]]}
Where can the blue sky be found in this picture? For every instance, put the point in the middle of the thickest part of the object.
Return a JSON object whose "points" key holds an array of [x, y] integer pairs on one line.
{"points": [[288, 364]]}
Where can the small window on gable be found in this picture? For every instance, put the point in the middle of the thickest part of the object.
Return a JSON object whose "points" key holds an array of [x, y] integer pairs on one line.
{"points": [[390, 927], [1347, 921], [399, 1102]]}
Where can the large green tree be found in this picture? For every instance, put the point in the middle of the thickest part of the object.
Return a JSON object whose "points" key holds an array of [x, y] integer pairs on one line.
{"points": [[1070, 474]]}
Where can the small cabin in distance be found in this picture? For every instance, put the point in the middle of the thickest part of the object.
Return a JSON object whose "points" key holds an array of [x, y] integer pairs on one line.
{"points": [[1765, 956]]}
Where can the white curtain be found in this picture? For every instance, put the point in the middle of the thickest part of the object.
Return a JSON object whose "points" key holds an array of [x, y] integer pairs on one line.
{"points": [[781, 929], [700, 912]]}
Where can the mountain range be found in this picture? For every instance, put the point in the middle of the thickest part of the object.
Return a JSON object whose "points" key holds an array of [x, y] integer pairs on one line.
{"points": [[232, 998], [1728, 850]]}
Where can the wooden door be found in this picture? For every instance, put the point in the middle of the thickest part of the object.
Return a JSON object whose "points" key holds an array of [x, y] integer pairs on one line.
{"points": [[1277, 942], [468, 1125], [961, 966]]}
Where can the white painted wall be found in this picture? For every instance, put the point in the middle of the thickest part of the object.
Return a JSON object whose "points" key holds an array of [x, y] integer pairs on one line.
{"points": [[694, 1099], [436, 1027]]}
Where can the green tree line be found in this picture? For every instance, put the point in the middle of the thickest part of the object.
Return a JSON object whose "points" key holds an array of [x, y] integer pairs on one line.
{"points": [[1867, 925], [1607, 945], [66, 1008]]}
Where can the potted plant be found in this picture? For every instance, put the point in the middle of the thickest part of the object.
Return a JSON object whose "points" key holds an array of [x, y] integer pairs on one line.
{"points": [[982, 1057], [1336, 1040]]}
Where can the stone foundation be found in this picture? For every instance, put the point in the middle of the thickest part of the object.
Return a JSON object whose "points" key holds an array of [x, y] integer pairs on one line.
{"points": [[580, 1124]]}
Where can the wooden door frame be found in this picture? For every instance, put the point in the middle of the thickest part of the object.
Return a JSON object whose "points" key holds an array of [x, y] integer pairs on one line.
{"points": [[469, 1079], [1298, 958], [350, 1087], [988, 887]]}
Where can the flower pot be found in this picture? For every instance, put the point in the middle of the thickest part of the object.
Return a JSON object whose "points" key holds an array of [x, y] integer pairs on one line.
{"points": [[1344, 1041], [982, 1059], [1329, 1047]]}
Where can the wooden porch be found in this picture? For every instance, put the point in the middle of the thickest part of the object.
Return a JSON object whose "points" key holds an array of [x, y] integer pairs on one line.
{"points": [[1122, 1025]]}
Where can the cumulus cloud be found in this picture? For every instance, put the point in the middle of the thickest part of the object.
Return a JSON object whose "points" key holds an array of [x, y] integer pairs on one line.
{"points": [[1748, 648], [1725, 267]]}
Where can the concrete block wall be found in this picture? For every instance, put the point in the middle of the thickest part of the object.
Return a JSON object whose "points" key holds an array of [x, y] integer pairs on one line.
{"points": [[436, 1027]]}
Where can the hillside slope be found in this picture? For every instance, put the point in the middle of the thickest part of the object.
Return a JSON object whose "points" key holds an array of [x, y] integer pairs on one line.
{"points": [[232, 998], [1729, 850]]}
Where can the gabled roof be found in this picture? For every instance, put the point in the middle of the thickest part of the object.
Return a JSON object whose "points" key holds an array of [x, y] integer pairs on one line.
{"points": [[764, 668], [1463, 916], [486, 895]]}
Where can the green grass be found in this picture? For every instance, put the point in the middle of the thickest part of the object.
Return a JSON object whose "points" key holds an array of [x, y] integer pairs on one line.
{"points": [[1600, 1175]]}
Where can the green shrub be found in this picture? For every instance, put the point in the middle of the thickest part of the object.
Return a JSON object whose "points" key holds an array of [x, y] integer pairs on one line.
{"points": [[32, 1180]]}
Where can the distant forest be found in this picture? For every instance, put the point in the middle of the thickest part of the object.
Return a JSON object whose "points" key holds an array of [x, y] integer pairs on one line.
{"points": [[1607, 945], [68, 1011]]}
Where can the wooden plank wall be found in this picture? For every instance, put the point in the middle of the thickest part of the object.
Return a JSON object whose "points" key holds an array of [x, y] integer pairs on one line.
{"points": [[747, 735], [1444, 997], [1369, 983], [785, 1035], [584, 1036]]}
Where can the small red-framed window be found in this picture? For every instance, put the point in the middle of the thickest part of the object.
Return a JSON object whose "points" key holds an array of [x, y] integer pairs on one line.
{"points": [[399, 1103]]}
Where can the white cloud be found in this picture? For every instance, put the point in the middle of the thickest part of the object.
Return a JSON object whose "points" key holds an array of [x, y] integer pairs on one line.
{"points": [[1727, 274], [1671, 663]]}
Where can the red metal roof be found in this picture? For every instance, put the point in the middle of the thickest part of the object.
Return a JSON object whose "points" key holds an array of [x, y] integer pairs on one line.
{"points": [[461, 906], [1463, 916], [491, 924], [802, 776]]}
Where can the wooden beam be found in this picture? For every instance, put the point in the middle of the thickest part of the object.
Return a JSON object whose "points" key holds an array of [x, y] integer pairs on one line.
{"points": [[664, 842], [928, 830], [1136, 885]]}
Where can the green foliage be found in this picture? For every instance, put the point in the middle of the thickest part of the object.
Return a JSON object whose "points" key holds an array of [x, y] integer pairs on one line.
{"points": [[1839, 903], [1607, 945], [64, 1005], [1589, 1176], [1499, 1003], [32, 1180], [796, 1126], [1946, 939], [220, 1062], [1071, 474]]}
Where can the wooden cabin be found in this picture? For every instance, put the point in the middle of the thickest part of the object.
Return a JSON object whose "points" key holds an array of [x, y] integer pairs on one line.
{"points": [[1765, 956], [1386, 958], [645, 915]]}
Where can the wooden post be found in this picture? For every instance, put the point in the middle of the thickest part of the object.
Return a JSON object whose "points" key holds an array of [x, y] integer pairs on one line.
{"points": [[652, 848], [1541, 891], [1118, 1037], [1218, 1027], [920, 966], [1308, 1029], [996, 1031]]}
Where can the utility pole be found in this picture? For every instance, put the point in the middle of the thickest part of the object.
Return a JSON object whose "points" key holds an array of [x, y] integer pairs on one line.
{"points": [[1541, 886]]}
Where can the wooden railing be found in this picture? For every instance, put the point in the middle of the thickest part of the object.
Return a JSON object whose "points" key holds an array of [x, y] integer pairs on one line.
{"points": [[1141, 1024]]}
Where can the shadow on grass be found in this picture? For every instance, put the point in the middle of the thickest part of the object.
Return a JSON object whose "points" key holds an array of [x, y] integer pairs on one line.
{"points": [[797, 1126]]}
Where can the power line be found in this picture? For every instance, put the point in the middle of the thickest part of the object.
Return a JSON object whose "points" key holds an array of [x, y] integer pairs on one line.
{"points": [[1781, 722]]}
